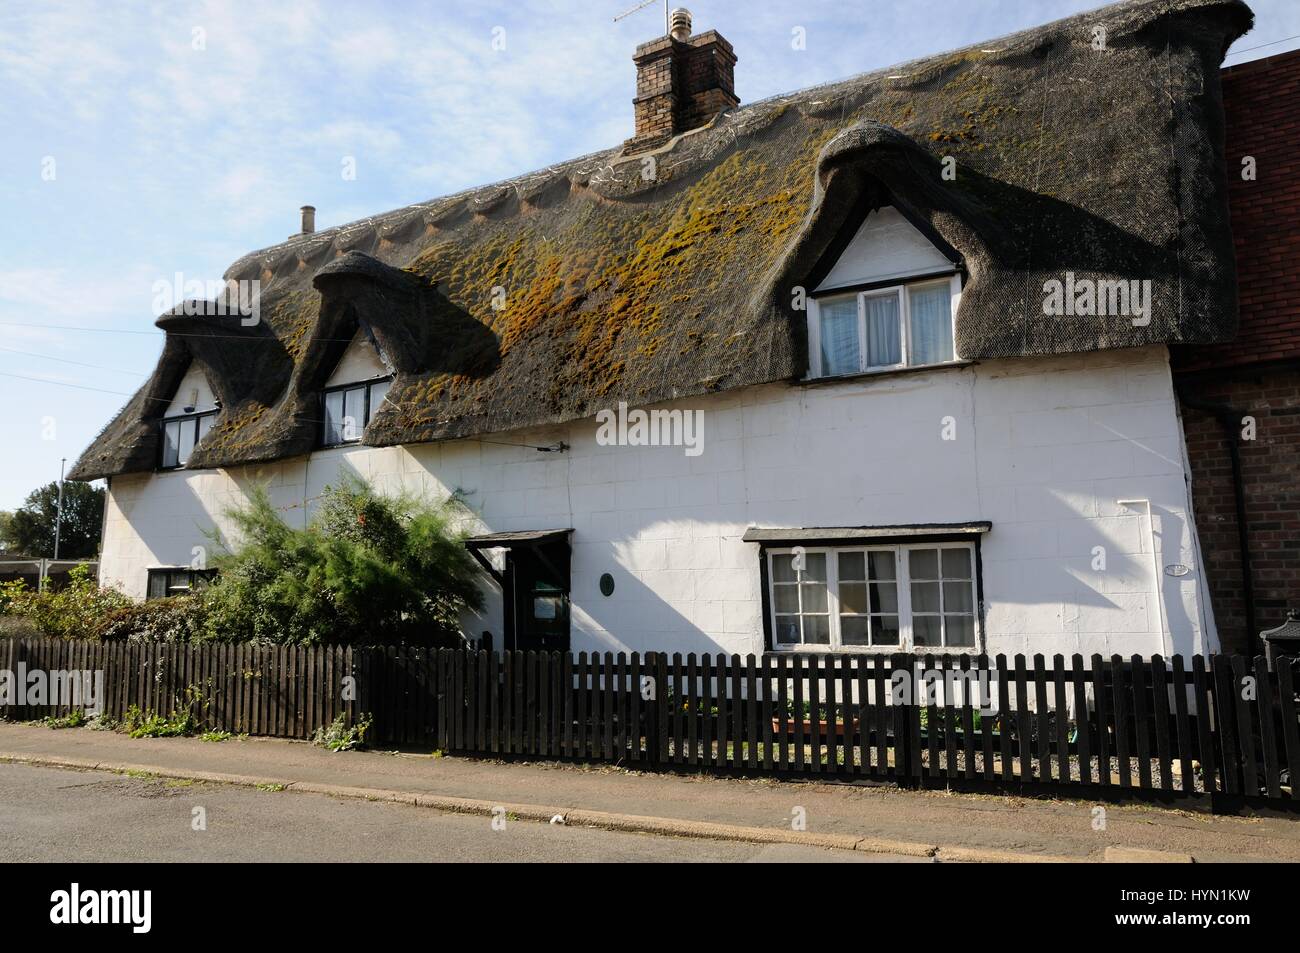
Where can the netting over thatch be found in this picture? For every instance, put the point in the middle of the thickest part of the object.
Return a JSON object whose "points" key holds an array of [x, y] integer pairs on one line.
{"points": [[648, 278]]}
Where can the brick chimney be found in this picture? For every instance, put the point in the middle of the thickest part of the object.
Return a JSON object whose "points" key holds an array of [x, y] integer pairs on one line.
{"points": [[682, 82]]}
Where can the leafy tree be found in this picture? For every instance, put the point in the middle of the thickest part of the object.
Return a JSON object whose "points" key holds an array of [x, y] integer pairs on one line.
{"points": [[31, 528], [367, 570]]}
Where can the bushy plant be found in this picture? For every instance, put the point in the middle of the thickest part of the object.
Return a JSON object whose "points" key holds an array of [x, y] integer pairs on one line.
{"points": [[73, 719], [173, 619], [73, 611], [368, 569], [150, 724], [340, 736]]}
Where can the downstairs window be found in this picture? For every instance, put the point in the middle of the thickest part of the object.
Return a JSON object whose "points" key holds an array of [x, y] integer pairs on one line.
{"points": [[177, 582], [904, 597]]}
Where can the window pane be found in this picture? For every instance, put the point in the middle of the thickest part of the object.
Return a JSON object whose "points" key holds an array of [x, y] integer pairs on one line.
{"points": [[957, 597], [852, 566], [853, 630], [377, 393], [817, 629], [786, 598], [205, 424], [354, 413], [884, 597], [814, 597], [924, 563], [930, 331], [171, 443], [157, 585], [334, 417], [783, 568], [185, 442], [787, 629], [925, 597], [882, 564], [853, 597], [839, 333], [546, 608], [884, 347], [960, 630], [956, 563], [815, 566], [885, 629], [925, 630]]}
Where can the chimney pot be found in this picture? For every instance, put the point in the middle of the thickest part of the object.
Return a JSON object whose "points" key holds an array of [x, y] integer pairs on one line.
{"points": [[308, 219], [681, 24]]}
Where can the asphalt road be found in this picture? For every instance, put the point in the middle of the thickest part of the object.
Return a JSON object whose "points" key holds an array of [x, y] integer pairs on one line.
{"points": [[54, 814]]}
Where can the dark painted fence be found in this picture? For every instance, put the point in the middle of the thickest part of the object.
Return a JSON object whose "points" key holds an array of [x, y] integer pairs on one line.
{"points": [[1227, 727]]}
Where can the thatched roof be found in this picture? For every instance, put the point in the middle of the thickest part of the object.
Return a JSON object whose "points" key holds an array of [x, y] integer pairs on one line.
{"points": [[619, 285]]}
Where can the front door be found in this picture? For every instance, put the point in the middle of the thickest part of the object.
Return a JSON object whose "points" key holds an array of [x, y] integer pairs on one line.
{"points": [[537, 603]]}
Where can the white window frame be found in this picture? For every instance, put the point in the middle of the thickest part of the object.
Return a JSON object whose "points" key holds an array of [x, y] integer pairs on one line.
{"points": [[370, 407], [902, 575], [903, 289], [196, 421]]}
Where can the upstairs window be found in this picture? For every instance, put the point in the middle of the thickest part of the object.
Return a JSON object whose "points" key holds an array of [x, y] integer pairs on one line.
{"points": [[349, 408], [186, 419], [181, 434], [887, 300], [905, 325]]}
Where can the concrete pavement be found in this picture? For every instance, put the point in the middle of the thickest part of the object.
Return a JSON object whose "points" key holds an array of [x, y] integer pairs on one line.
{"points": [[955, 827]]}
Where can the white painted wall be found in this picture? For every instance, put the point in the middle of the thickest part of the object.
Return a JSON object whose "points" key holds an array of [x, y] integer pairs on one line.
{"points": [[1044, 448], [886, 246], [360, 362], [193, 392]]}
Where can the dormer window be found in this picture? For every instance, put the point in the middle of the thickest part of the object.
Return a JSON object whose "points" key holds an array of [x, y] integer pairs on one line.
{"points": [[896, 326], [348, 409], [181, 434], [187, 419], [888, 301], [354, 392]]}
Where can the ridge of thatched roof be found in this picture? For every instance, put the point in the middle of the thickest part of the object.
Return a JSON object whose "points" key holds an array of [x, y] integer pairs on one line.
{"points": [[544, 298]]}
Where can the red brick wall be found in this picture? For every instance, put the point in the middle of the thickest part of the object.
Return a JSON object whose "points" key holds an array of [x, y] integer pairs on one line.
{"points": [[679, 86], [1259, 372], [1270, 467], [1261, 102]]}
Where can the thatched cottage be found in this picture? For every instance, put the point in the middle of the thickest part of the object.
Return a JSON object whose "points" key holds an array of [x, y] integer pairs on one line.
{"points": [[881, 364]]}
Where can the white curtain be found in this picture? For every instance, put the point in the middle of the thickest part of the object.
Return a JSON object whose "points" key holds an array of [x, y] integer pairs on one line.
{"points": [[839, 330], [931, 324], [884, 346]]}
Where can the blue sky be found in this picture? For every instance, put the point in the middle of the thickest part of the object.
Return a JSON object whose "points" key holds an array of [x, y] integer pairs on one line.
{"points": [[182, 135]]}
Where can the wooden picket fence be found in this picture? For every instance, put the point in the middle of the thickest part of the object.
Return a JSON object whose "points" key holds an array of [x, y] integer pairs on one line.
{"points": [[1226, 727]]}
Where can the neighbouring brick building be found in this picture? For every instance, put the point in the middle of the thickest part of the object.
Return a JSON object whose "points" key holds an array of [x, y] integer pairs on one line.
{"points": [[1246, 492]]}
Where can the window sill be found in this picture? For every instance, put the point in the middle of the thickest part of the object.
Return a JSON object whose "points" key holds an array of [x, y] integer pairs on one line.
{"points": [[882, 372], [873, 650]]}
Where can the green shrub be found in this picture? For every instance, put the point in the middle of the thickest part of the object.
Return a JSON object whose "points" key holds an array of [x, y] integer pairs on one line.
{"points": [[368, 569], [338, 736], [73, 719], [150, 724], [73, 611], [173, 619]]}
